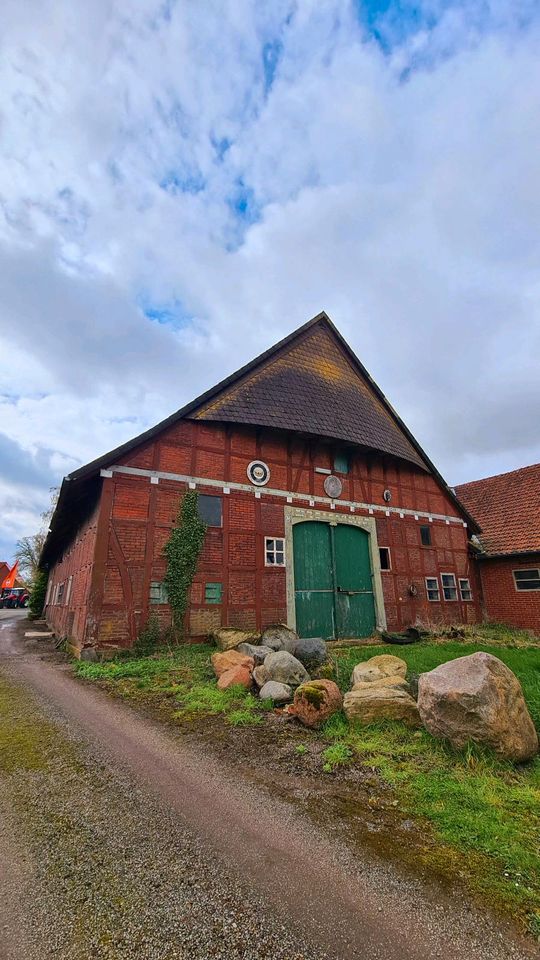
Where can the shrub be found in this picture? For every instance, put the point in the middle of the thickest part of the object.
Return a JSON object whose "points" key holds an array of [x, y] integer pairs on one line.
{"points": [[38, 593]]}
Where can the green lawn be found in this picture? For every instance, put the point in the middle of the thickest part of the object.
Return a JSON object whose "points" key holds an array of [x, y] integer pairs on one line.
{"points": [[482, 816]]}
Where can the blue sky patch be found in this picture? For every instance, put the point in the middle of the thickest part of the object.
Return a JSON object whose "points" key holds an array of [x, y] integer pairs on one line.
{"points": [[174, 182], [271, 56], [173, 313]]}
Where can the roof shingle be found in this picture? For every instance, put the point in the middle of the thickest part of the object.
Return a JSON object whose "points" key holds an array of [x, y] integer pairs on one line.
{"points": [[313, 387], [507, 507]]}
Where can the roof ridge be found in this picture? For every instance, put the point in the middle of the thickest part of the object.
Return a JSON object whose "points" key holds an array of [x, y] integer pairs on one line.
{"points": [[495, 476]]}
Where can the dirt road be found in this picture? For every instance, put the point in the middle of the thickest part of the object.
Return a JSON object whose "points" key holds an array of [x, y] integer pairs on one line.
{"points": [[119, 840]]}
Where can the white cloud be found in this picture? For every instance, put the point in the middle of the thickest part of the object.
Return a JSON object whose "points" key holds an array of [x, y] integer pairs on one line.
{"points": [[399, 191]]}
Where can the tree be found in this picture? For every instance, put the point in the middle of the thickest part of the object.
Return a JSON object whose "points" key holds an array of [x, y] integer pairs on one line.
{"points": [[28, 552], [28, 549]]}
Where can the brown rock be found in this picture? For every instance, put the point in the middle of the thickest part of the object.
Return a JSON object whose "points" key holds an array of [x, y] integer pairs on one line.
{"points": [[230, 658], [398, 682], [384, 665], [375, 702], [235, 677], [315, 701], [226, 638], [478, 698]]}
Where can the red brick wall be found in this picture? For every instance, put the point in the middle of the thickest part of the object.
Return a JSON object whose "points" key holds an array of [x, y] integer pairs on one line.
{"points": [[68, 617], [142, 514], [502, 602]]}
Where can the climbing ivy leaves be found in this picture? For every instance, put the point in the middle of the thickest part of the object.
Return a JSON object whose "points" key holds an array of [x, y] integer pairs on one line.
{"points": [[182, 552]]}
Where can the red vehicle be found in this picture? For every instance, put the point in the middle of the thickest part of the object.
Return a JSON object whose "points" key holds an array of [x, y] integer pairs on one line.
{"points": [[15, 598]]}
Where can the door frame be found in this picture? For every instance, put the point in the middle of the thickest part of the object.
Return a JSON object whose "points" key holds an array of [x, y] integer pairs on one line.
{"points": [[294, 515]]}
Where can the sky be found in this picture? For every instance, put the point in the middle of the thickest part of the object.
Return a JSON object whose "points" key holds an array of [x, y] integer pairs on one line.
{"points": [[184, 183]]}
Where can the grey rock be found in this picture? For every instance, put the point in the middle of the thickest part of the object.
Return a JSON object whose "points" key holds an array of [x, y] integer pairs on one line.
{"points": [[89, 654], [261, 675], [311, 651], [278, 636], [278, 692], [285, 668], [259, 653]]}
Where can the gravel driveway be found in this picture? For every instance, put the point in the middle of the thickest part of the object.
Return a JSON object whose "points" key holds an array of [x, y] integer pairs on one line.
{"points": [[118, 840]]}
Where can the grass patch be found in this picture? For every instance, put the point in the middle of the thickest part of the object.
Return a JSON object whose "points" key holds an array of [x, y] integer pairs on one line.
{"points": [[476, 804], [182, 675], [481, 817], [338, 754]]}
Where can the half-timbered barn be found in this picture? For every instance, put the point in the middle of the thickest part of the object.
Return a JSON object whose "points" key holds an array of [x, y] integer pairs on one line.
{"points": [[322, 511]]}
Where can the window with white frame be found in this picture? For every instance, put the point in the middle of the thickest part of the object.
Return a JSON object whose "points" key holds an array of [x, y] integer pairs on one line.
{"points": [[527, 579], [48, 594], [449, 586], [60, 593], [274, 552], [432, 589], [465, 588], [68, 591]]}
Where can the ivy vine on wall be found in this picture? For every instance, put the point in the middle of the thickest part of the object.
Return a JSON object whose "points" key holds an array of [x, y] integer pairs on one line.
{"points": [[182, 551]]}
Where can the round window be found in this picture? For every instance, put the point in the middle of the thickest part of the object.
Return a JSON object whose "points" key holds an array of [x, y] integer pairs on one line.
{"points": [[258, 472]]}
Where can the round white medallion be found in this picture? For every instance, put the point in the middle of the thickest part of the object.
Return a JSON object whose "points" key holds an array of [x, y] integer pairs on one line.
{"points": [[333, 487], [258, 472]]}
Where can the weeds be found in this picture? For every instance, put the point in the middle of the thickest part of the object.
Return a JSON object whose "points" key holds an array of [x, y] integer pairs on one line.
{"points": [[337, 755]]}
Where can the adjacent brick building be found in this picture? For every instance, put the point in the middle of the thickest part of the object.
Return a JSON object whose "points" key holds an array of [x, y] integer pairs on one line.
{"points": [[323, 511], [507, 508]]}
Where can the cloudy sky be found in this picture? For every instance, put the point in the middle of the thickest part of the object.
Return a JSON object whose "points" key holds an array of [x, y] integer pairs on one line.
{"points": [[183, 183]]}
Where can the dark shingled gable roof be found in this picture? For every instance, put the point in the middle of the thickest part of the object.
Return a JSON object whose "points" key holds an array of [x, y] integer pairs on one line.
{"points": [[314, 384], [311, 382], [507, 507]]}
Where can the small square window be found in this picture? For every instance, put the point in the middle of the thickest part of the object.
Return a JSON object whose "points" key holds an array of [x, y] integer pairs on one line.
{"points": [[465, 588], [449, 586], [158, 592], [425, 536], [384, 554], [274, 552], [210, 510], [527, 579], [432, 589], [341, 463], [213, 592]]}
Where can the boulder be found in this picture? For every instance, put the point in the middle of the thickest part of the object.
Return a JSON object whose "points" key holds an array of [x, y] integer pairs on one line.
{"points": [[396, 682], [311, 651], [223, 661], [278, 692], [278, 636], [375, 702], [257, 651], [315, 701], [227, 638], [384, 665], [261, 675], [285, 668], [238, 676], [478, 698]]}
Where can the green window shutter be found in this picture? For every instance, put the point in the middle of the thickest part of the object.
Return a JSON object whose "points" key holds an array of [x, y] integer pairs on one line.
{"points": [[158, 592], [341, 463], [213, 592]]}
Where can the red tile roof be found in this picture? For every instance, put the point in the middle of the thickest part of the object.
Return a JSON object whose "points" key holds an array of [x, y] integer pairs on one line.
{"points": [[507, 507]]}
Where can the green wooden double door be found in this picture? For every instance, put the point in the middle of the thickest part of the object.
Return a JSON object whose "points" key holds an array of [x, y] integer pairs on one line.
{"points": [[332, 580]]}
